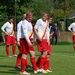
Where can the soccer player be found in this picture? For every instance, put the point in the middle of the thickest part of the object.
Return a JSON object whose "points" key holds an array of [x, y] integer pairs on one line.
{"points": [[71, 28], [41, 30], [8, 30], [47, 66], [26, 43], [18, 43]]}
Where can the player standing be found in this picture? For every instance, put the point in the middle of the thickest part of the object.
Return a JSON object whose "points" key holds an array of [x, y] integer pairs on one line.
{"points": [[18, 41], [26, 43], [8, 30], [71, 28], [41, 30]]}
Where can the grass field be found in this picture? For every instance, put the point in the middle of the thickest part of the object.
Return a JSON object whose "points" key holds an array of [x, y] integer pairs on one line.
{"points": [[62, 61]]}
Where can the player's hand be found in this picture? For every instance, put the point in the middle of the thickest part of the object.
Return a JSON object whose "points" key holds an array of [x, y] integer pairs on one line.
{"points": [[30, 44], [18, 43], [48, 41], [40, 39], [6, 33]]}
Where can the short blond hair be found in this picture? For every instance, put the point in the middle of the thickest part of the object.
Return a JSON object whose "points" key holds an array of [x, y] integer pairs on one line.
{"points": [[29, 13]]}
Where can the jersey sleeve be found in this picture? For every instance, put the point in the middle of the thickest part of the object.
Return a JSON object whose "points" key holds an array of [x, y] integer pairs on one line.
{"points": [[25, 31], [70, 27], [37, 24], [3, 27], [18, 32]]}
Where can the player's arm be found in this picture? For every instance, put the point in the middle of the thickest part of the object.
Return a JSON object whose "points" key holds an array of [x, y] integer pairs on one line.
{"points": [[18, 34], [3, 29], [25, 28], [36, 30], [70, 28], [48, 35]]}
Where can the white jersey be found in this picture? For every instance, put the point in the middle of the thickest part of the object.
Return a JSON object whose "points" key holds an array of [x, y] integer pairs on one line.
{"points": [[72, 26], [41, 26], [19, 30], [26, 30], [7, 27]]}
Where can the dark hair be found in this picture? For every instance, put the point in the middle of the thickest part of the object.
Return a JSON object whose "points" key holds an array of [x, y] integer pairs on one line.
{"points": [[10, 18]]}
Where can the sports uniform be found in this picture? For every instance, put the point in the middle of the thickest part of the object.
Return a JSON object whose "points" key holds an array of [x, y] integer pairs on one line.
{"points": [[72, 29], [19, 47], [9, 37], [43, 32], [26, 38]]}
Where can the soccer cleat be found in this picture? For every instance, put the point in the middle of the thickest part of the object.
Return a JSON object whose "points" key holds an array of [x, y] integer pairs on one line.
{"points": [[36, 71], [17, 67], [28, 66], [24, 73], [14, 55], [48, 70], [9, 56], [42, 70]]}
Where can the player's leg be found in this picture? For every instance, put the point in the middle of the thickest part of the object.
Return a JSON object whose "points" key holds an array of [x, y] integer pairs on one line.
{"points": [[73, 42], [7, 42], [18, 60], [14, 50], [13, 42], [8, 51], [33, 61], [23, 64]]}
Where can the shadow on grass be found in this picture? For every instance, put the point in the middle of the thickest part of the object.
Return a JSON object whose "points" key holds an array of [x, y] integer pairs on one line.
{"points": [[8, 72], [6, 66], [2, 56]]}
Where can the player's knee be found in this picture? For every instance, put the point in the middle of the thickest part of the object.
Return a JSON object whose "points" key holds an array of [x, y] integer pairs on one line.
{"points": [[7, 45]]}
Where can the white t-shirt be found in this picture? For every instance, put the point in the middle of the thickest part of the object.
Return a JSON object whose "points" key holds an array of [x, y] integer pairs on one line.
{"points": [[72, 26], [26, 30], [41, 26], [7, 27], [19, 30]]}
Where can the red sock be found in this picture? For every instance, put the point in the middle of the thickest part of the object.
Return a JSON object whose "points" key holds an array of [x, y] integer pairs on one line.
{"points": [[7, 50], [37, 63], [47, 65], [23, 64], [33, 61], [41, 62], [14, 50], [18, 59]]}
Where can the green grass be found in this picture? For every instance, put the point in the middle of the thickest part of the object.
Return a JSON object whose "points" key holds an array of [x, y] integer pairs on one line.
{"points": [[62, 61]]}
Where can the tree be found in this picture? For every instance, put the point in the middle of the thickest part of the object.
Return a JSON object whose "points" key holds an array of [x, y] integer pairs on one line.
{"points": [[7, 7]]}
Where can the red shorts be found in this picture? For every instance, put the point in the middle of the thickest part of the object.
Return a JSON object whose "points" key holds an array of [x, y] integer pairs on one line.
{"points": [[25, 48], [9, 40], [73, 38], [20, 49], [43, 46]]}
